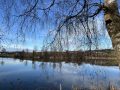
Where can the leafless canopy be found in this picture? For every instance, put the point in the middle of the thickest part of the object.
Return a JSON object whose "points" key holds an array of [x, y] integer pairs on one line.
{"points": [[73, 22]]}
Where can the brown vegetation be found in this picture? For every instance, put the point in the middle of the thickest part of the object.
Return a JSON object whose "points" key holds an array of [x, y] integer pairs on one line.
{"points": [[95, 56]]}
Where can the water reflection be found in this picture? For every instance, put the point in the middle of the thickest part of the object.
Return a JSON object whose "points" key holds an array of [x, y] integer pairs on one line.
{"points": [[2, 63], [33, 64], [34, 75], [26, 62]]}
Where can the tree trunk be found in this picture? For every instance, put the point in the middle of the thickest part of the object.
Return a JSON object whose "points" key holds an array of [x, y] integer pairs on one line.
{"points": [[112, 20]]}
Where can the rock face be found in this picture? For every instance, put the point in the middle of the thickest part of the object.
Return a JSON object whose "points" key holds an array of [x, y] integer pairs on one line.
{"points": [[112, 20]]}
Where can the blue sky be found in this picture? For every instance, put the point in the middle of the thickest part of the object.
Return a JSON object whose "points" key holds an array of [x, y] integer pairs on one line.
{"points": [[31, 41], [35, 39]]}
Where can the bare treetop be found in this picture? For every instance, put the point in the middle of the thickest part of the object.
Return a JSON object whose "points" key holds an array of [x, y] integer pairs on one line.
{"points": [[69, 18]]}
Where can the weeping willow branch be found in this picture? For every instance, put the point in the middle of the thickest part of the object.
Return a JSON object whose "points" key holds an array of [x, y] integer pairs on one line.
{"points": [[72, 20]]}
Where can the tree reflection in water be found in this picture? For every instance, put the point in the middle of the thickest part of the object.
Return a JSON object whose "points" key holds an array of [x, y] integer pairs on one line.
{"points": [[2, 62], [33, 65], [26, 62], [32, 75]]}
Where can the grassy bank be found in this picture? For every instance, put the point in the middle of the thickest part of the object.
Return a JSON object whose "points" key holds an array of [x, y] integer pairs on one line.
{"points": [[102, 57]]}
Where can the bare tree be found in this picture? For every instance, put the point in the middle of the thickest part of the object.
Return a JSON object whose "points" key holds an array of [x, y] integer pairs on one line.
{"points": [[35, 48], [74, 20], [3, 50]]}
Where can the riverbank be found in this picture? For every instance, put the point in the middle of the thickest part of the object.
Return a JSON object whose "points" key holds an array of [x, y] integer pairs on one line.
{"points": [[101, 57]]}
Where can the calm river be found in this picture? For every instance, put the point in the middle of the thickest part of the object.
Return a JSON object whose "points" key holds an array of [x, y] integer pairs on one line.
{"points": [[16, 74]]}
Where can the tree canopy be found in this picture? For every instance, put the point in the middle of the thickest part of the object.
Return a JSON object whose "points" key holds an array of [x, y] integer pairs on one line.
{"points": [[73, 21]]}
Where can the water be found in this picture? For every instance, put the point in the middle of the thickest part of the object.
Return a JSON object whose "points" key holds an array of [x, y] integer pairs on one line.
{"points": [[29, 75]]}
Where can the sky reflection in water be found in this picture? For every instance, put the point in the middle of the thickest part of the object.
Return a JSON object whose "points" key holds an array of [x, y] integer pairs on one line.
{"points": [[29, 75]]}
